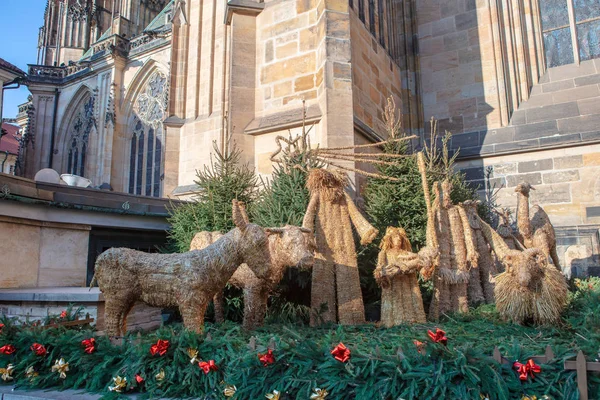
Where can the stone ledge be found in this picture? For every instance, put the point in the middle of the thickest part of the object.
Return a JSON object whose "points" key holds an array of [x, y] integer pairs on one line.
{"points": [[53, 294], [283, 120]]}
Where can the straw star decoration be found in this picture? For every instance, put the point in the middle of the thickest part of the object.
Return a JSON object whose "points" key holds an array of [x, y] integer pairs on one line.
{"points": [[61, 366], [7, 372], [273, 395], [119, 384], [193, 353], [229, 391], [318, 394], [31, 373]]}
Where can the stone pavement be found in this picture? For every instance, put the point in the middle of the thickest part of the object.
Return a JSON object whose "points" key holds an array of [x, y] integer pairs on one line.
{"points": [[10, 393]]}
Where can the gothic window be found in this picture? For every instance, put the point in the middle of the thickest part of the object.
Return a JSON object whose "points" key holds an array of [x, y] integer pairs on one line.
{"points": [[381, 14], [571, 30], [79, 133], [361, 10], [372, 16], [146, 147]]}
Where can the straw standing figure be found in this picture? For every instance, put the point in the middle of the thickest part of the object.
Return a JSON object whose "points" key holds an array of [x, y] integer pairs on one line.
{"points": [[396, 273], [331, 213]]}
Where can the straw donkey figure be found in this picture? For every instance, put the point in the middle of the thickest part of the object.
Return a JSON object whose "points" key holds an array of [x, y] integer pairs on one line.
{"points": [[185, 280], [396, 273], [530, 288], [288, 246], [535, 228]]}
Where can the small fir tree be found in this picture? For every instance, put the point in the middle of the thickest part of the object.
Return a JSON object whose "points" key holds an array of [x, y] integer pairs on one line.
{"points": [[218, 184]]}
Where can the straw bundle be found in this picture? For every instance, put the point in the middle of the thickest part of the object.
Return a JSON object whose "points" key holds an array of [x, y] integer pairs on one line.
{"points": [[396, 272], [331, 213], [186, 280], [288, 246]]}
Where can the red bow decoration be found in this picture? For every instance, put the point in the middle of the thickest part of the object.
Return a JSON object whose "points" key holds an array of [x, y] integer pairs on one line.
{"points": [[89, 344], [139, 379], [341, 353], [160, 348], [7, 349], [439, 336], [38, 349], [1, 326], [208, 366], [267, 358], [63, 314], [529, 368]]}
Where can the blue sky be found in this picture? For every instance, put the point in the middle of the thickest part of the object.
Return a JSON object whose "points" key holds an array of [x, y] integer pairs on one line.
{"points": [[19, 24]]}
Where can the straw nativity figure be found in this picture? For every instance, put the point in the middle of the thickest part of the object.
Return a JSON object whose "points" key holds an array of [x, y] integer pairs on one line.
{"points": [[396, 273], [331, 213]]}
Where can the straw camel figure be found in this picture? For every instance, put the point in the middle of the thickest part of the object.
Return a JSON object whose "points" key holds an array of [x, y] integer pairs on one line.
{"points": [[481, 281], [288, 247], [529, 289], [331, 213], [396, 273], [185, 280], [535, 228], [457, 255]]}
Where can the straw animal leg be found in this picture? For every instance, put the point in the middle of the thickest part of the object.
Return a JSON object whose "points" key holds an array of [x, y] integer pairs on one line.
{"points": [[219, 309], [115, 309], [255, 306], [192, 312]]}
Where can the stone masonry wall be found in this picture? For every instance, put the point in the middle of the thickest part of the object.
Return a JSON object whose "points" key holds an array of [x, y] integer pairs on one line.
{"points": [[567, 186], [375, 77]]}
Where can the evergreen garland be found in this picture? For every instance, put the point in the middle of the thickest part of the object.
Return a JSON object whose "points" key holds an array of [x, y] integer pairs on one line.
{"points": [[384, 363]]}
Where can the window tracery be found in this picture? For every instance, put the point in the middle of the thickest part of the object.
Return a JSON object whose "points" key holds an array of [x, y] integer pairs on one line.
{"points": [[79, 134], [146, 146]]}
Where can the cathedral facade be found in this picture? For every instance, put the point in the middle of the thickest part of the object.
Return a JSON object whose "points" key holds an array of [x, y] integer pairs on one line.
{"points": [[134, 93]]}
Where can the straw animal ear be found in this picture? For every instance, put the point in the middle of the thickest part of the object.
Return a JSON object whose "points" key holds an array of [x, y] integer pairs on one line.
{"points": [[240, 219], [274, 231]]}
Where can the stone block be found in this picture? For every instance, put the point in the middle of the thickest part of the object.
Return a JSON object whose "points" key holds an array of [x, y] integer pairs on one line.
{"points": [[466, 20], [504, 169], [299, 97], [588, 80], [550, 194], [518, 117], [309, 38], [286, 50], [568, 162], [453, 125], [556, 86], [474, 174], [342, 71], [305, 5], [591, 159], [585, 123], [289, 68], [455, 41], [340, 6], [552, 112], [561, 176], [463, 107], [269, 51], [469, 55], [500, 135], [535, 130], [304, 83], [561, 139], [589, 106], [590, 136], [537, 101], [443, 26], [582, 92], [337, 24], [571, 71], [465, 140], [536, 165], [282, 89], [533, 179], [286, 38]]}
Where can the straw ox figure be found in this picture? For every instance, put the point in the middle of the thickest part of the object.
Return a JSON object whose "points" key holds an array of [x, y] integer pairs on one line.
{"points": [[186, 280], [288, 247]]}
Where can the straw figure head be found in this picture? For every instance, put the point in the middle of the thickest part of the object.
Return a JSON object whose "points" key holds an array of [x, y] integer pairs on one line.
{"points": [[395, 238], [255, 244], [504, 228], [524, 188], [291, 245], [329, 184]]}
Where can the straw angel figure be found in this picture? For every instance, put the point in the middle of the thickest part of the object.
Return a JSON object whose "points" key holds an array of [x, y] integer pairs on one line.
{"points": [[396, 273]]}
